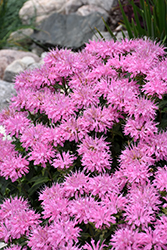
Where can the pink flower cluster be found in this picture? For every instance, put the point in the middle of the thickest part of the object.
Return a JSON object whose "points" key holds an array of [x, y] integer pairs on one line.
{"points": [[77, 99]]}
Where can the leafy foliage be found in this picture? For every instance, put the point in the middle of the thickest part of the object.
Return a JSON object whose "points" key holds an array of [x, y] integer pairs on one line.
{"points": [[9, 19], [150, 20]]}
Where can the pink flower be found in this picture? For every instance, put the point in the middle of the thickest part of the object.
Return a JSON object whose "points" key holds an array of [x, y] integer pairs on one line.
{"points": [[160, 180], [58, 106], [84, 96], [141, 108], [72, 130], [160, 232], [156, 80], [122, 93], [95, 154], [16, 124], [38, 239], [63, 161], [134, 164], [104, 185], [88, 210], [76, 184], [63, 234], [16, 219], [98, 246], [142, 205], [123, 239], [140, 129], [12, 164], [159, 146], [14, 167], [41, 154], [16, 247], [54, 203], [98, 119]]}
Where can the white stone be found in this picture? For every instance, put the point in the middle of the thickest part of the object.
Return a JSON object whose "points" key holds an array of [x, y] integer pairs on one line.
{"points": [[119, 35], [70, 6], [7, 56], [106, 36], [16, 67], [27, 60], [105, 4], [7, 90], [87, 9], [22, 34], [3, 131], [2, 245], [38, 8]]}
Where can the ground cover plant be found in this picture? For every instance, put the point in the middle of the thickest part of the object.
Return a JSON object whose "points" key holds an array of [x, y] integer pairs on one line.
{"points": [[83, 165]]}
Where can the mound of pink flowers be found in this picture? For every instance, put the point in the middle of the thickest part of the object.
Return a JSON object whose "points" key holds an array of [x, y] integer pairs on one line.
{"points": [[89, 124]]}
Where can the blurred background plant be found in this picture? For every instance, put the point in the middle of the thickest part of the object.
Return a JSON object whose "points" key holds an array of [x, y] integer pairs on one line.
{"points": [[145, 18], [9, 20]]}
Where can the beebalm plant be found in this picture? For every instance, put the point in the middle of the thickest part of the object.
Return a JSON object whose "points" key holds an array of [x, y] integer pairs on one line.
{"points": [[85, 166]]}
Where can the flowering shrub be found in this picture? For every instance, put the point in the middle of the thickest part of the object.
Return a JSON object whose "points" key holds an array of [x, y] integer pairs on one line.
{"points": [[85, 167]]}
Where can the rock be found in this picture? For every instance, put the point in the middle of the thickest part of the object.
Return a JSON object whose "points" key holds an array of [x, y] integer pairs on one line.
{"points": [[16, 67], [4, 61], [71, 31], [70, 6], [119, 35], [87, 9], [21, 36], [2, 245], [105, 4], [106, 36], [40, 9], [6, 92], [7, 56]]}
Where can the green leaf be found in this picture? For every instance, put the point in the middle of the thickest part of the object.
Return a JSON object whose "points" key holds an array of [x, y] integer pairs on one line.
{"points": [[100, 34], [109, 30], [39, 180], [161, 13], [127, 23], [123, 34], [147, 13], [162, 103], [135, 30], [164, 110], [136, 15]]}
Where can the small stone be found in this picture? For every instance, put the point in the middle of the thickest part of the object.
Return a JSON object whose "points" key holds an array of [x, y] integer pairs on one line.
{"points": [[88, 9], [21, 36], [106, 36], [7, 56], [16, 67], [33, 8], [6, 92]]}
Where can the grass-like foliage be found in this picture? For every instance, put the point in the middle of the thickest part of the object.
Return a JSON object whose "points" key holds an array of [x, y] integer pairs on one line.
{"points": [[150, 19], [85, 166], [9, 19]]}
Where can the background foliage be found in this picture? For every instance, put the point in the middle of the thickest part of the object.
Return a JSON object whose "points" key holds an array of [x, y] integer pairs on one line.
{"points": [[9, 19], [149, 19]]}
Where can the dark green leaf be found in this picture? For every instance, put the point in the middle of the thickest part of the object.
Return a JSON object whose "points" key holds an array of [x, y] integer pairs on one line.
{"points": [[127, 23], [109, 30]]}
